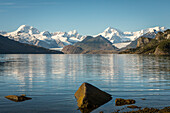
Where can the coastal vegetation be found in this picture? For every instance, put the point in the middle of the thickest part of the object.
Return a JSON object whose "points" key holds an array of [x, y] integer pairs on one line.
{"points": [[160, 45]]}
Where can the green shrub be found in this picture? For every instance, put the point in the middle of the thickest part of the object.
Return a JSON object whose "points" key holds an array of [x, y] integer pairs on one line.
{"points": [[165, 45]]}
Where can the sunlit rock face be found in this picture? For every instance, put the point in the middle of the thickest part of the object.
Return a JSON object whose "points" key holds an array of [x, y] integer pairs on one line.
{"points": [[90, 97], [142, 41]]}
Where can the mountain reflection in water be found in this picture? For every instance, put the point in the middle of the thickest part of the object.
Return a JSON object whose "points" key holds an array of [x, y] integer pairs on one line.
{"points": [[52, 80]]}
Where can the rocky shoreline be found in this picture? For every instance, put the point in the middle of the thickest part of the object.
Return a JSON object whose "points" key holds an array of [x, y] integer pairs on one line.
{"points": [[90, 98], [146, 110]]}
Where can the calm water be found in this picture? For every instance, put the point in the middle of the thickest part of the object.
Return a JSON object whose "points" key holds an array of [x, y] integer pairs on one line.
{"points": [[52, 80]]}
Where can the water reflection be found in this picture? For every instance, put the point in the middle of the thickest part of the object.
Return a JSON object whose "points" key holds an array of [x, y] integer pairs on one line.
{"points": [[26, 67], [60, 75]]}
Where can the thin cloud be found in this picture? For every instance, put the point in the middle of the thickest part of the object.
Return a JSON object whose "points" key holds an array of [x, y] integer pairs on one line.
{"points": [[7, 3], [49, 3]]}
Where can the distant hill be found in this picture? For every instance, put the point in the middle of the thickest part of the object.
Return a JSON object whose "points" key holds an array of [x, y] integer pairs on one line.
{"points": [[95, 43], [160, 45], [8, 46], [91, 45], [70, 49]]}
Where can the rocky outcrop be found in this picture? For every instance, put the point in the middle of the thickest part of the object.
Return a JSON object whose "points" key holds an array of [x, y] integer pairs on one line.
{"points": [[159, 36], [163, 35], [142, 41], [18, 98], [72, 50], [90, 97]]}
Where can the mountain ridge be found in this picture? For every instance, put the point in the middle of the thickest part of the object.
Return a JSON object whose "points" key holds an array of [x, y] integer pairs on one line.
{"points": [[30, 35], [9, 46]]}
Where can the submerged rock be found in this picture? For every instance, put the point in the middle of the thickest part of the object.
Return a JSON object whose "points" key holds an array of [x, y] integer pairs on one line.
{"points": [[120, 101], [165, 110], [90, 97], [18, 98], [146, 110], [133, 107]]}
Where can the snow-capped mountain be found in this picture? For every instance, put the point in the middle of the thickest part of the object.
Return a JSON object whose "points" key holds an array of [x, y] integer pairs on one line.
{"points": [[31, 35], [117, 36]]}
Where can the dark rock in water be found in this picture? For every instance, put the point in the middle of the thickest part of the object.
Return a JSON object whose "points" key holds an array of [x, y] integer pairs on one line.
{"points": [[18, 98], [165, 110], [120, 101], [146, 110], [90, 97], [143, 98], [133, 107]]}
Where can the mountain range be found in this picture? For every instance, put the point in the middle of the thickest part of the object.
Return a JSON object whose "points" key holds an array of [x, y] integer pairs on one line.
{"points": [[31, 35]]}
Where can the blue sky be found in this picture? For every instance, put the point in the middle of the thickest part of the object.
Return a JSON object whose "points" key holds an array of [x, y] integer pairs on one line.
{"points": [[88, 17]]}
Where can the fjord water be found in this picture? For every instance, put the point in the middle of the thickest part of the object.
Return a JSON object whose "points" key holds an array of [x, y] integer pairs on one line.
{"points": [[51, 80]]}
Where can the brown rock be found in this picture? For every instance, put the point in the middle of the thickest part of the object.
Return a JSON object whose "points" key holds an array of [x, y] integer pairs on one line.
{"points": [[133, 106], [149, 110], [143, 98], [18, 98], [120, 101], [90, 97], [165, 110], [159, 36]]}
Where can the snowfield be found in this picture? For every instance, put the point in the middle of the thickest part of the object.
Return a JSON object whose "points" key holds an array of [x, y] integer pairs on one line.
{"points": [[31, 35]]}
